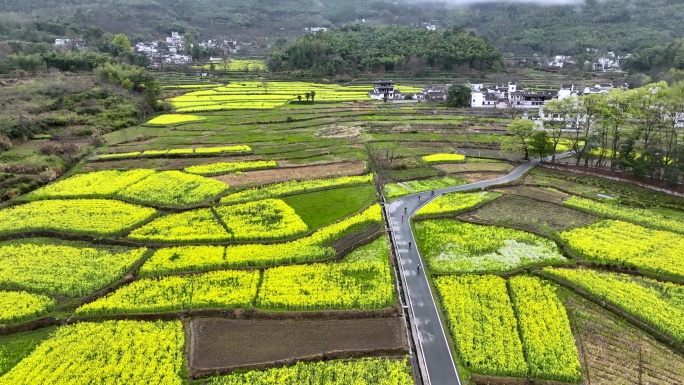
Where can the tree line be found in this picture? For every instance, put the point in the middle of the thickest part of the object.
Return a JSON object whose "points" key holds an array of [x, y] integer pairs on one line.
{"points": [[357, 48], [659, 62], [640, 131]]}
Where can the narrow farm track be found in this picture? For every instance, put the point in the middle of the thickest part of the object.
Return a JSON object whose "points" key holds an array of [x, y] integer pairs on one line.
{"points": [[434, 355]]}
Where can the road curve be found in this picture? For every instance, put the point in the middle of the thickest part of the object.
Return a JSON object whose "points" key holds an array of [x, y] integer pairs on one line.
{"points": [[434, 356]]}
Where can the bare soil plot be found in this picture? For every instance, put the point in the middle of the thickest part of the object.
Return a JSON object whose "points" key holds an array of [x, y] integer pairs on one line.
{"points": [[539, 193], [162, 163], [475, 167], [474, 177], [526, 213], [615, 352], [223, 345], [263, 177]]}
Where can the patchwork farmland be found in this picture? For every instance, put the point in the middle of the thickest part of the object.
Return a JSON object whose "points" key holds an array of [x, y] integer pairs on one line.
{"points": [[247, 237]]}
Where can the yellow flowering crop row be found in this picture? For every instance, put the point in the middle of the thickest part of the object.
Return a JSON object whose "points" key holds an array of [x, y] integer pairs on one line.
{"points": [[237, 65], [480, 317], [443, 158], [376, 371], [357, 285], [233, 150], [170, 119], [173, 188], [456, 203], [18, 306], [207, 106], [71, 269], [545, 330], [295, 187], [99, 184], [230, 167], [219, 289], [200, 258], [98, 217], [262, 220], [658, 304], [455, 247], [615, 242], [190, 226], [642, 217], [223, 150], [269, 219], [307, 249], [111, 352], [363, 281], [525, 335]]}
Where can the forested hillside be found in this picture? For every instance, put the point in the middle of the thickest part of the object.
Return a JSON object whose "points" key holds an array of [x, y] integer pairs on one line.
{"points": [[357, 48], [661, 62], [620, 25]]}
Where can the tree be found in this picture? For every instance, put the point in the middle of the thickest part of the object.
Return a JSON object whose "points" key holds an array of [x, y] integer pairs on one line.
{"points": [[511, 112], [121, 45], [541, 144], [588, 110], [299, 98], [559, 114], [459, 96], [196, 52], [313, 96], [264, 83], [614, 114], [307, 96], [521, 131]]}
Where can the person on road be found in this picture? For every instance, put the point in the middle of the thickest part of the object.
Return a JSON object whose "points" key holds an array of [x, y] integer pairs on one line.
{"points": [[433, 192], [402, 217], [418, 197], [409, 245], [418, 269], [404, 210]]}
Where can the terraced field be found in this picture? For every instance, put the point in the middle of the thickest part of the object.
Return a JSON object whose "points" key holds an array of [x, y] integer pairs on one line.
{"points": [[248, 221]]}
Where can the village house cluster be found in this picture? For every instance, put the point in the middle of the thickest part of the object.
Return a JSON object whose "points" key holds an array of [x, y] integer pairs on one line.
{"points": [[76, 44], [609, 61], [514, 96], [173, 50]]}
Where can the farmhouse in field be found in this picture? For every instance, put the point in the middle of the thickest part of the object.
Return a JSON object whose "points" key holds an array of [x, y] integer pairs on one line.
{"points": [[384, 89]]}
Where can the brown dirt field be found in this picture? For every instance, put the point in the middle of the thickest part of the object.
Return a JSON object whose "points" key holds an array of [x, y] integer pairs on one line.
{"points": [[474, 167], [527, 213], [473, 177], [163, 163], [263, 177], [540, 193], [222, 345], [610, 347]]}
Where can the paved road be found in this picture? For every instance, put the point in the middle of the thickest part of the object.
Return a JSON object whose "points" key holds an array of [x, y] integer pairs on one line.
{"points": [[434, 354]]}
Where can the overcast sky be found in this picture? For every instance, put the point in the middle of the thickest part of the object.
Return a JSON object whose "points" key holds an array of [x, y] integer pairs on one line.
{"points": [[467, 2]]}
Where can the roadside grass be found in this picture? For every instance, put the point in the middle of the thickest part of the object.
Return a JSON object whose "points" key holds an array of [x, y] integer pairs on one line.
{"points": [[321, 208]]}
